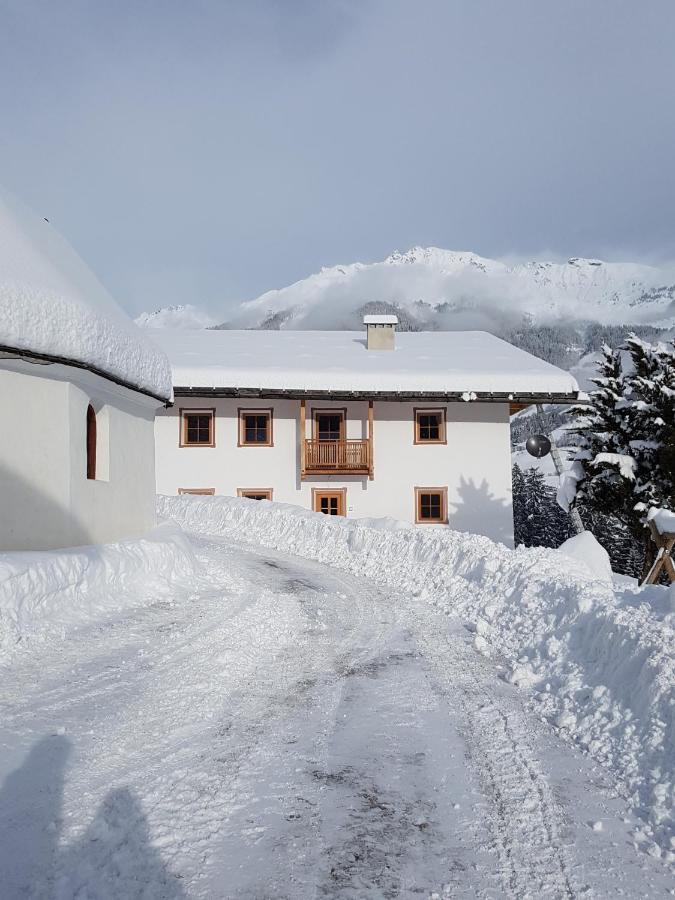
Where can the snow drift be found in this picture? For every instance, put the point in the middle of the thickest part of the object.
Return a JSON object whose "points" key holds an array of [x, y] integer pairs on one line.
{"points": [[585, 548], [599, 662], [44, 594]]}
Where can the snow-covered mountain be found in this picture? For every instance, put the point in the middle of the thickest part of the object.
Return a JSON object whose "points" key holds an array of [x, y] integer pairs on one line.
{"points": [[445, 288], [183, 316], [435, 288]]}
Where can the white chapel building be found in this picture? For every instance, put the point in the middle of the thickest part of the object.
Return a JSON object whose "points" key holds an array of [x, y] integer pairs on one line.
{"points": [[412, 426], [79, 388]]}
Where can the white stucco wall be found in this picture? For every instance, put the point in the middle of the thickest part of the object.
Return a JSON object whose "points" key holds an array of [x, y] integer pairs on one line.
{"points": [[475, 464], [46, 500]]}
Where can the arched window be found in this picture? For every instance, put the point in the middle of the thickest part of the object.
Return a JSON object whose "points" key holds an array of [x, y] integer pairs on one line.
{"points": [[91, 442]]}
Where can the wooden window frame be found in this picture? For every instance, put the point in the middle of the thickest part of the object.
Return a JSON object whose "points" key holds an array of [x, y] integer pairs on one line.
{"points": [[421, 410], [91, 443], [316, 492], [242, 492], [202, 492], [339, 411], [241, 429], [443, 491], [186, 411]]}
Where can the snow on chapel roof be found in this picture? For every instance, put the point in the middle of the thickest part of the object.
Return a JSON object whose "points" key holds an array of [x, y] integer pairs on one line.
{"points": [[51, 304], [446, 362]]}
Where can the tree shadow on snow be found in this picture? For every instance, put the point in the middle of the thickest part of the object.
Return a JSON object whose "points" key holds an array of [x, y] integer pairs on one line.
{"points": [[113, 858], [478, 511]]}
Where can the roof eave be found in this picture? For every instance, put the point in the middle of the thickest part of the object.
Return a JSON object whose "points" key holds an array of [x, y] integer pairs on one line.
{"points": [[561, 397], [46, 358]]}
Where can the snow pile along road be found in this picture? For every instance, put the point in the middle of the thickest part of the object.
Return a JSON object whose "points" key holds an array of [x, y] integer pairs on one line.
{"points": [[599, 663], [46, 594]]}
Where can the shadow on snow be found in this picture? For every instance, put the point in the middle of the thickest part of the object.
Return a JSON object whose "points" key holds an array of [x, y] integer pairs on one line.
{"points": [[113, 857]]}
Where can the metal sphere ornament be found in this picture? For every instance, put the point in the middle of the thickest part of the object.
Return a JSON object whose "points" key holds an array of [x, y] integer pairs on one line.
{"points": [[538, 446]]}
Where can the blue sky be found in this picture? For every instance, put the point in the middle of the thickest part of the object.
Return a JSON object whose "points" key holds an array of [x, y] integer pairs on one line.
{"points": [[204, 152]]}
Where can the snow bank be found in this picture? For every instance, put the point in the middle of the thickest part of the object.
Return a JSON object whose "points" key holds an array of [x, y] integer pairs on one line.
{"points": [[600, 664], [45, 594], [51, 303]]}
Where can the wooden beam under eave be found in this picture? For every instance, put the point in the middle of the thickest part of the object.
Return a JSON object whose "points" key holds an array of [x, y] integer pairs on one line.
{"points": [[371, 458], [517, 407], [303, 437]]}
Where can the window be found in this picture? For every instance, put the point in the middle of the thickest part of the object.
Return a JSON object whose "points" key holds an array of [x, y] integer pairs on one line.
{"points": [[330, 503], [431, 505], [255, 427], [255, 493], [197, 428], [202, 492], [91, 442], [329, 425], [430, 426]]}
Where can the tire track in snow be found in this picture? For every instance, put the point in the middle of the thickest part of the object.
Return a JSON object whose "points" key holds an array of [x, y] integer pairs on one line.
{"points": [[525, 818], [285, 728]]}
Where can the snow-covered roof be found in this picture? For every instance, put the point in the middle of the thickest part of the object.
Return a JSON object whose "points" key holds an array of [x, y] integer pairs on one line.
{"points": [[380, 320], [52, 305], [423, 362]]}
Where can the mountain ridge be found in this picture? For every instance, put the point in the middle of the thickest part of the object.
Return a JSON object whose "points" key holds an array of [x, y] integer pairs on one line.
{"points": [[447, 289]]}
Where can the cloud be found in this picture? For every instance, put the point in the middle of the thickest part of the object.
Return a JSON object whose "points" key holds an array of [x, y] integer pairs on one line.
{"points": [[245, 144]]}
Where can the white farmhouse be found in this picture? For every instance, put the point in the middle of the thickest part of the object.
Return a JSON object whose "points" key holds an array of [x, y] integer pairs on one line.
{"points": [[414, 426], [79, 387]]}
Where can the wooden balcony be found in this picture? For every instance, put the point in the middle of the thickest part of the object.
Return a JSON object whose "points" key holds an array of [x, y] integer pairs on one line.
{"points": [[337, 457]]}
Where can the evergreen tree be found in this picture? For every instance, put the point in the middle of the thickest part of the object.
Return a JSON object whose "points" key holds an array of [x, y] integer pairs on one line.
{"points": [[603, 441], [520, 524], [651, 415], [626, 447], [626, 553], [538, 520]]}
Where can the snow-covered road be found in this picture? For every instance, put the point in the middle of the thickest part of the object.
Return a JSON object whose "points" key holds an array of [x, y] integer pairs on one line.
{"points": [[291, 731]]}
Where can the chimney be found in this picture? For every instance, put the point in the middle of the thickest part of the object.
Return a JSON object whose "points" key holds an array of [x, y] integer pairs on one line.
{"points": [[380, 331]]}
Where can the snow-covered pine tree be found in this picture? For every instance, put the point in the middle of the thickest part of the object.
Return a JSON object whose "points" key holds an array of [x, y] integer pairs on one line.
{"points": [[625, 461], [538, 509], [521, 533], [602, 428], [553, 525], [625, 552], [651, 417], [538, 520], [533, 490]]}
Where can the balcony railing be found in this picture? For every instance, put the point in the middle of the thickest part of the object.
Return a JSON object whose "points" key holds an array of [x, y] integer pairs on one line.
{"points": [[328, 457]]}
